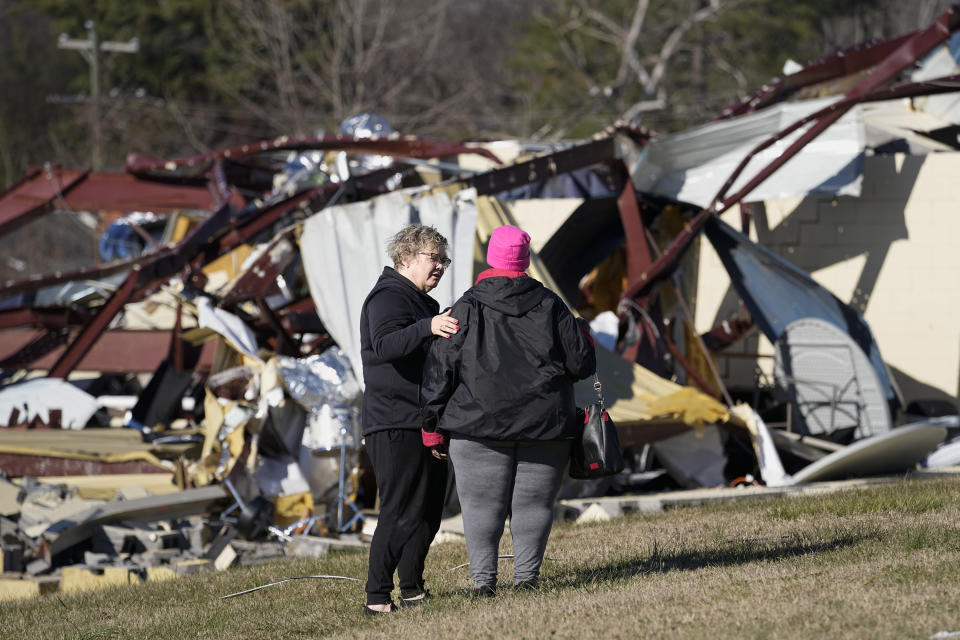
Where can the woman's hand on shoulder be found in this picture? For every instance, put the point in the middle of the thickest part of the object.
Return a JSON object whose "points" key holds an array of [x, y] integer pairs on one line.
{"points": [[444, 325]]}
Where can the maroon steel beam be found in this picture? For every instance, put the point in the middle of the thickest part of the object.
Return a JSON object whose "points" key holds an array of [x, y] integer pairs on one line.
{"points": [[183, 355], [249, 225], [176, 354], [171, 260], [162, 264], [216, 234], [218, 182], [836, 65], [37, 348], [28, 175], [264, 270], [244, 229], [12, 287], [36, 195], [638, 251], [304, 304], [285, 344], [259, 220], [393, 145], [115, 350], [728, 332], [88, 335], [168, 261], [934, 86], [667, 262], [149, 239], [689, 368], [909, 50], [544, 167], [300, 316], [45, 317], [165, 256]]}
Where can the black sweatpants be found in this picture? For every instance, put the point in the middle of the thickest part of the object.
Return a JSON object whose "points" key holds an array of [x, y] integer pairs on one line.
{"points": [[412, 484]]}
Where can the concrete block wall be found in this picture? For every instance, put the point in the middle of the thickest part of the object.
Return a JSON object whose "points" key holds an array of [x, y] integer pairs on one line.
{"points": [[892, 253]]}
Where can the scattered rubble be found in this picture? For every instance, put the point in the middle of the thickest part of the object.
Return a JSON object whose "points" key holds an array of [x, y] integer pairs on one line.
{"points": [[179, 374]]}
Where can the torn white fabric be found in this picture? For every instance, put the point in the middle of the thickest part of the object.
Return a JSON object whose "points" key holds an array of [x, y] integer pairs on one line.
{"points": [[344, 250]]}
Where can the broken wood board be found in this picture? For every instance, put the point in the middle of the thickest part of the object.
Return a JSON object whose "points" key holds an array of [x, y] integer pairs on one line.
{"points": [[106, 486], [57, 452]]}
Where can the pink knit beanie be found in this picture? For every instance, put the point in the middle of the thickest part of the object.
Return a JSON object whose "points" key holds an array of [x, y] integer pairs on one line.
{"points": [[509, 249]]}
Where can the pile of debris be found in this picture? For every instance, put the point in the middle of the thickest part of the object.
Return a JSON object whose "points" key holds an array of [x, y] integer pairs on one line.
{"points": [[54, 540], [189, 327]]}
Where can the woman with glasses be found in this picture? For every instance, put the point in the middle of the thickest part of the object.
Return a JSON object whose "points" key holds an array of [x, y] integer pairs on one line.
{"points": [[397, 322]]}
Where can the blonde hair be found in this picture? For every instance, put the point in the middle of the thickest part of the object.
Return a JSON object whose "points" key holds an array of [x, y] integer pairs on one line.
{"points": [[411, 239]]}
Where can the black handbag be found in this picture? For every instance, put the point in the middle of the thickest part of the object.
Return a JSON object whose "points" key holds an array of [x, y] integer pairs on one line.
{"points": [[596, 453]]}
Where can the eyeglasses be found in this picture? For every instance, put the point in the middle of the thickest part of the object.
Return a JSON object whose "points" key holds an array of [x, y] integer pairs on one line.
{"points": [[436, 259]]}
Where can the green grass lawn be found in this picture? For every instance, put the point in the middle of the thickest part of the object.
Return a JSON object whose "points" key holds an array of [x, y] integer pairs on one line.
{"points": [[878, 562]]}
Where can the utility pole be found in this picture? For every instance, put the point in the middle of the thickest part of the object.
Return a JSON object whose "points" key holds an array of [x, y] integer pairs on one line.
{"points": [[90, 50]]}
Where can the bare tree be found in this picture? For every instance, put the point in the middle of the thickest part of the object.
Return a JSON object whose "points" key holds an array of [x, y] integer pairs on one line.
{"points": [[302, 65], [644, 53]]}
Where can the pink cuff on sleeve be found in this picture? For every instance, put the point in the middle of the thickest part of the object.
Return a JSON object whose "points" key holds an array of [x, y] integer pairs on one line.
{"points": [[432, 439]]}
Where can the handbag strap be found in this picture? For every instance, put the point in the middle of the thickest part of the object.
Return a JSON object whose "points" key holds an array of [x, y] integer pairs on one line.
{"points": [[599, 389]]}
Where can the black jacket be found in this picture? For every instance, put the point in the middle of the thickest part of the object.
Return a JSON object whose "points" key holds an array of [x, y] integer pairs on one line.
{"points": [[508, 373], [394, 334]]}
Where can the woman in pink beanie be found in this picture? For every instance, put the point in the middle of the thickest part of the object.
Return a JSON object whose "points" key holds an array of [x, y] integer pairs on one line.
{"points": [[502, 389], [509, 249]]}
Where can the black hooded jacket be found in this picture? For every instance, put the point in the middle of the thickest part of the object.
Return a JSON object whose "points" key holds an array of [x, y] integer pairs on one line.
{"points": [[394, 334], [508, 373]]}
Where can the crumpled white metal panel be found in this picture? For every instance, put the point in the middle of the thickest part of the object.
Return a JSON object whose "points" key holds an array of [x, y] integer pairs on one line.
{"points": [[692, 165]]}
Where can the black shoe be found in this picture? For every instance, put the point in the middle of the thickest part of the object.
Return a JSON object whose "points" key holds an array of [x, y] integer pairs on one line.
{"points": [[484, 591], [415, 602], [369, 613], [527, 585]]}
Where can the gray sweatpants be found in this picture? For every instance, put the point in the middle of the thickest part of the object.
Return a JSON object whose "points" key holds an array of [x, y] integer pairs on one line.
{"points": [[497, 478]]}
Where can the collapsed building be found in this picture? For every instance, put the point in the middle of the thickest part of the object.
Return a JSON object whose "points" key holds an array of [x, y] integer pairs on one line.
{"points": [[178, 342]]}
